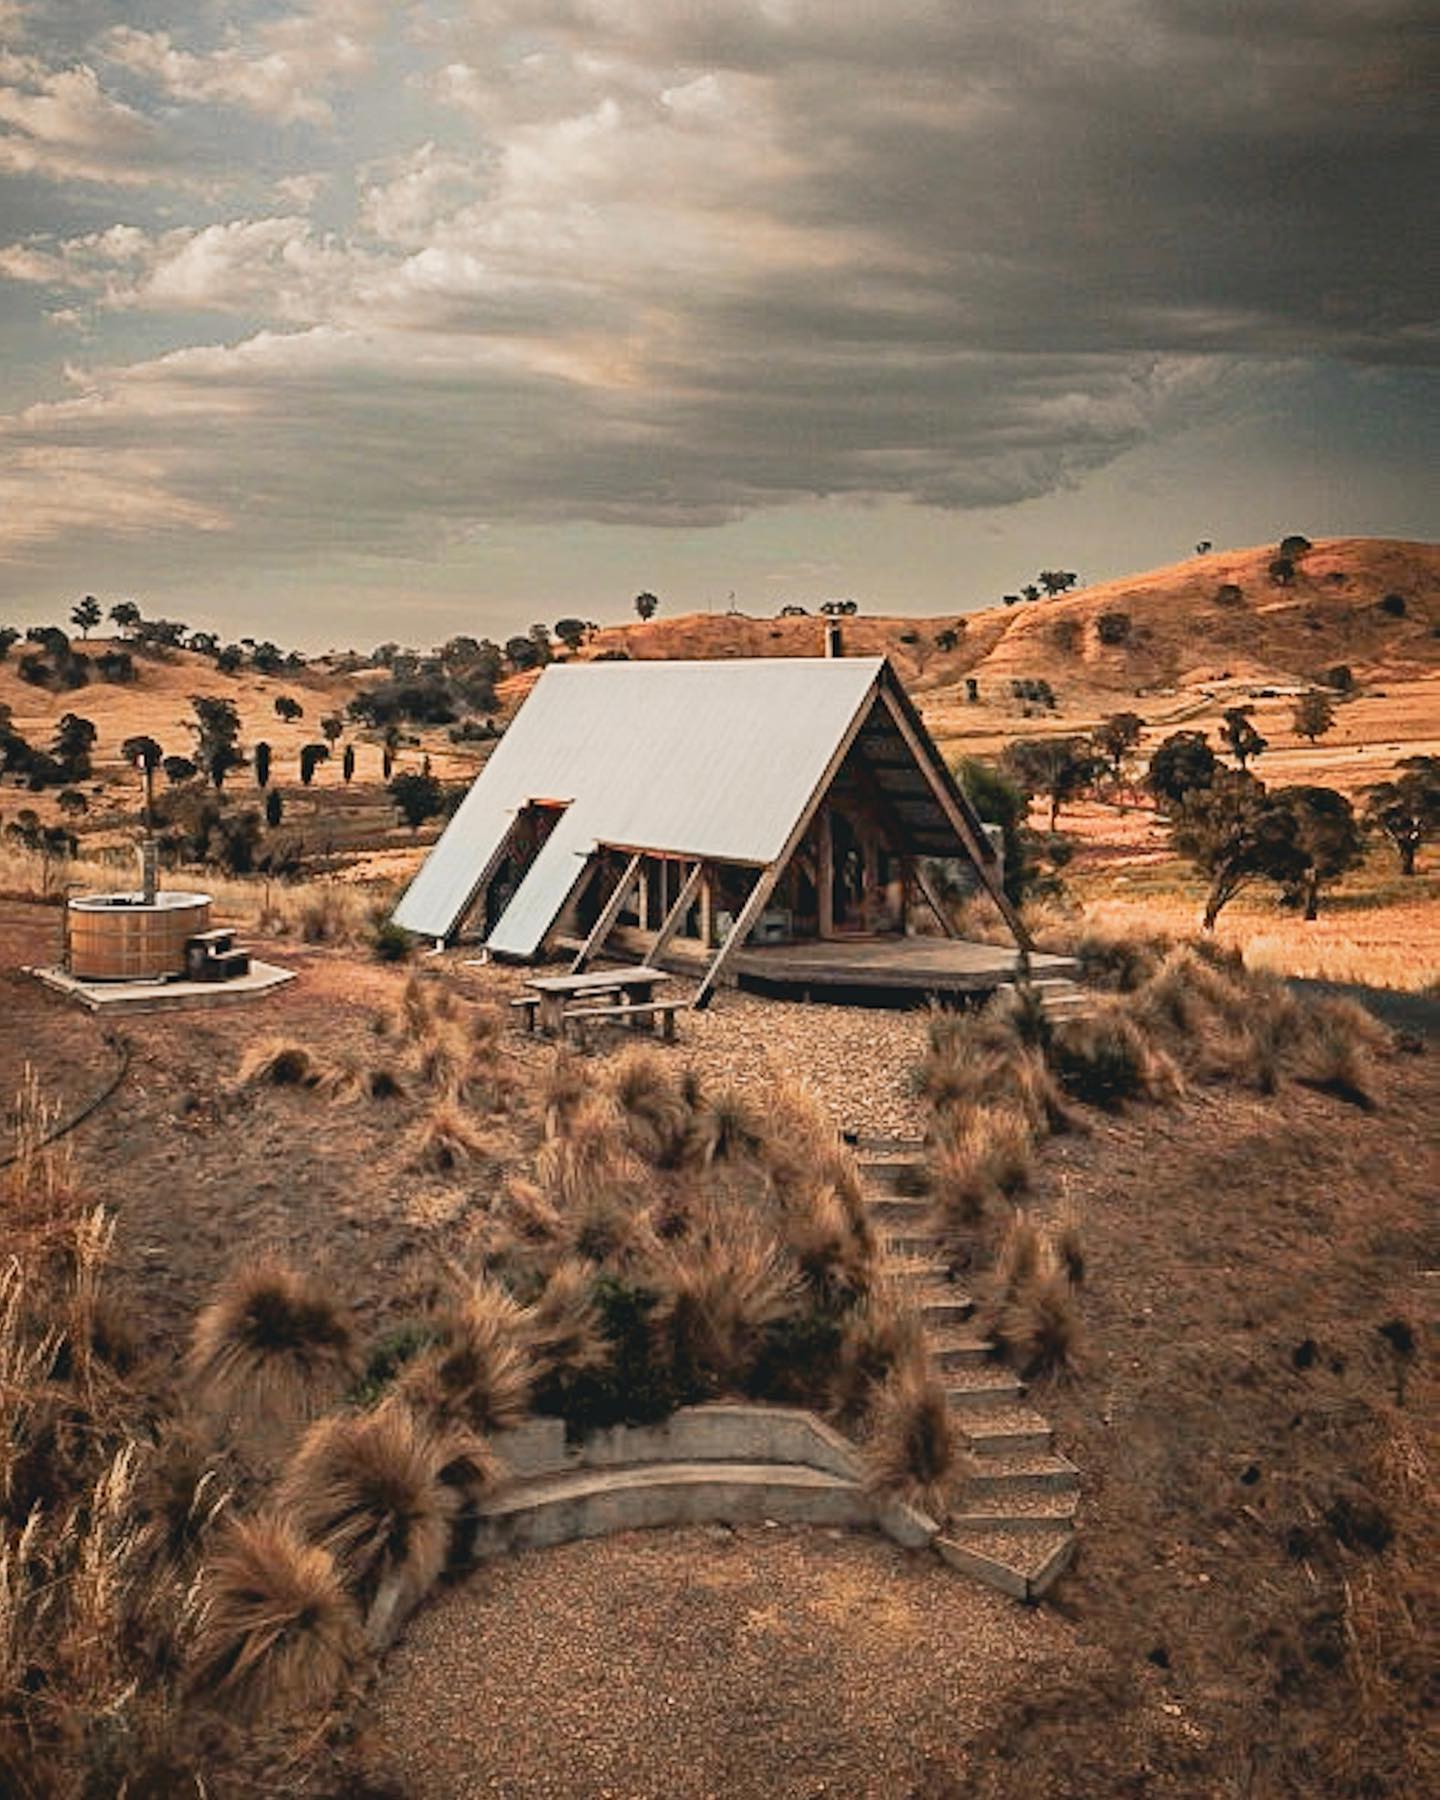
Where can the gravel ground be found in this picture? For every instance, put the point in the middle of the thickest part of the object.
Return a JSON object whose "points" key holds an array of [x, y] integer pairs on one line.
{"points": [[858, 1060], [703, 1662]]}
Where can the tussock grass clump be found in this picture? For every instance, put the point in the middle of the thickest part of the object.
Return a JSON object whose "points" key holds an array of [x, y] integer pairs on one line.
{"points": [[878, 1337], [725, 1126], [914, 1451], [564, 1321], [651, 1109], [975, 1163], [721, 1289], [590, 1157], [1336, 1051], [331, 913], [1039, 1326], [1106, 1060], [565, 1089], [447, 1138], [480, 1371], [369, 1489], [279, 1062], [272, 1340], [277, 1634]]}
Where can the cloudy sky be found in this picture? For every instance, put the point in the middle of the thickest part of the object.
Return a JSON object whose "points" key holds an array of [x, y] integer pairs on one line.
{"points": [[340, 321]]}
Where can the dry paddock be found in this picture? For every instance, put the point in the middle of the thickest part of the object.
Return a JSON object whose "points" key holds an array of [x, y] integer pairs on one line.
{"points": [[767, 1661]]}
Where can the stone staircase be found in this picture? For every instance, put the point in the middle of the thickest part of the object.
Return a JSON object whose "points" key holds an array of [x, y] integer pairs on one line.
{"points": [[1014, 1523]]}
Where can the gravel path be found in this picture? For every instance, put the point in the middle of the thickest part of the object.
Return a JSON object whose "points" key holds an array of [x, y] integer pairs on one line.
{"points": [[703, 1662]]}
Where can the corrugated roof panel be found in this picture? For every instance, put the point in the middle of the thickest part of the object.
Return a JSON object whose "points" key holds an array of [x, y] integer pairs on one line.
{"points": [[704, 759]]}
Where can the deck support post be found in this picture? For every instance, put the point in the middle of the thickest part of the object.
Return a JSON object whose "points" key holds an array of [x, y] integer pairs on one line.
{"points": [[609, 913], [738, 933], [676, 915], [825, 872]]}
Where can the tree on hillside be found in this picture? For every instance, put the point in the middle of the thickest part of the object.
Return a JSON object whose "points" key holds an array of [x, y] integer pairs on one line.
{"points": [[1204, 547], [143, 752], [332, 726], [204, 643], [1235, 834], [86, 614], [1181, 765], [544, 651], [1115, 737], [72, 802], [274, 808], [1239, 732], [647, 605], [1313, 715], [1294, 546], [71, 746], [216, 726], [179, 770], [347, 764], [521, 654], [287, 709], [1056, 768], [262, 764], [417, 798], [1281, 571], [125, 614], [1407, 807], [948, 638], [571, 633], [1326, 836], [1030, 591], [9, 637], [1057, 581], [229, 658], [311, 757]]}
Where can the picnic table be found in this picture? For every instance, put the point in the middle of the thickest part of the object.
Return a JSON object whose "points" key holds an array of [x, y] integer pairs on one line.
{"points": [[613, 992]]}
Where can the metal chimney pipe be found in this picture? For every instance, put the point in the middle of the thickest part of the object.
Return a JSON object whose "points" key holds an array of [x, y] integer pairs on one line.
{"points": [[834, 645]]}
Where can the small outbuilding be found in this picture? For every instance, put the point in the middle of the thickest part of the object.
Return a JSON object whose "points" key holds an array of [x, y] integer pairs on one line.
{"points": [[710, 811]]}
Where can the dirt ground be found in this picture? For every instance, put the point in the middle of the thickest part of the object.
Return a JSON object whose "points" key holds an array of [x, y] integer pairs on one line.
{"points": [[1237, 1625]]}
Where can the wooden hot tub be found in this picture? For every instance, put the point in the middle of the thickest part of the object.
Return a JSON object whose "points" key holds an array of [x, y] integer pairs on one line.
{"points": [[125, 937]]}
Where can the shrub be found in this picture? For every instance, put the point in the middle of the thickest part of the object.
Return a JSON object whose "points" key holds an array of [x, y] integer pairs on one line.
{"points": [[1113, 628], [1229, 594], [1394, 606], [390, 943], [1039, 1325], [277, 1634], [279, 1062], [719, 1290]]}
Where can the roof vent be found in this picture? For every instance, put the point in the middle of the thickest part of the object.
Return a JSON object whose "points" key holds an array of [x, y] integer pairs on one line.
{"points": [[833, 644]]}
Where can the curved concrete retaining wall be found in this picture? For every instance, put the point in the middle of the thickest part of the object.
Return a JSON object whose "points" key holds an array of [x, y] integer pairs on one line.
{"points": [[721, 1432]]}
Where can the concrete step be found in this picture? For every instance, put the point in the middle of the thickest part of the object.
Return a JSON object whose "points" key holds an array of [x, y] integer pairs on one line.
{"points": [[1008, 1431], [951, 1348], [1027, 1513], [905, 1212], [556, 1509], [1022, 1472], [1023, 1565], [911, 1272], [940, 1306], [983, 1388], [905, 1246], [893, 1174]]}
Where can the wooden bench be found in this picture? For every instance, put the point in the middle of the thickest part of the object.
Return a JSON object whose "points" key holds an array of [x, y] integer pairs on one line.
{"points": [[648, 1010]]}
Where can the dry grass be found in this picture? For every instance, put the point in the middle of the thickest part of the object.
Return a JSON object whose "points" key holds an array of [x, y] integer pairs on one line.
{"points": [[274, 1061], [722, 1288], [563, 1322], [272, 1341], [974, 1162], [447, 1138], [914, 1451], [480, 1372], [880, 1336], [277, 1632], [369, 1489], [653, 1114]]}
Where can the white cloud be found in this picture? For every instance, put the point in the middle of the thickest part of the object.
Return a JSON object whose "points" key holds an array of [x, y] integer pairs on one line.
{"points": [[408, 197], [60, 124], [280, 69]]}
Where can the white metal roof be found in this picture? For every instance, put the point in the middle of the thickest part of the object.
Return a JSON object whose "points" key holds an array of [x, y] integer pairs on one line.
{"points": [[705, 759]]}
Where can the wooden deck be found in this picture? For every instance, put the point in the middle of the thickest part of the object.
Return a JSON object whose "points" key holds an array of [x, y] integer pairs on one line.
{"points": [[865, 971]]}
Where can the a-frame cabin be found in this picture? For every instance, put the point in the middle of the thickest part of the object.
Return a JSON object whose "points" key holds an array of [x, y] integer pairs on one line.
{"points": [[707, 810]]}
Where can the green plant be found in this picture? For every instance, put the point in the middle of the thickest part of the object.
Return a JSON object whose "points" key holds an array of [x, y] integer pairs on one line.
{"points": [[390, 943]]}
